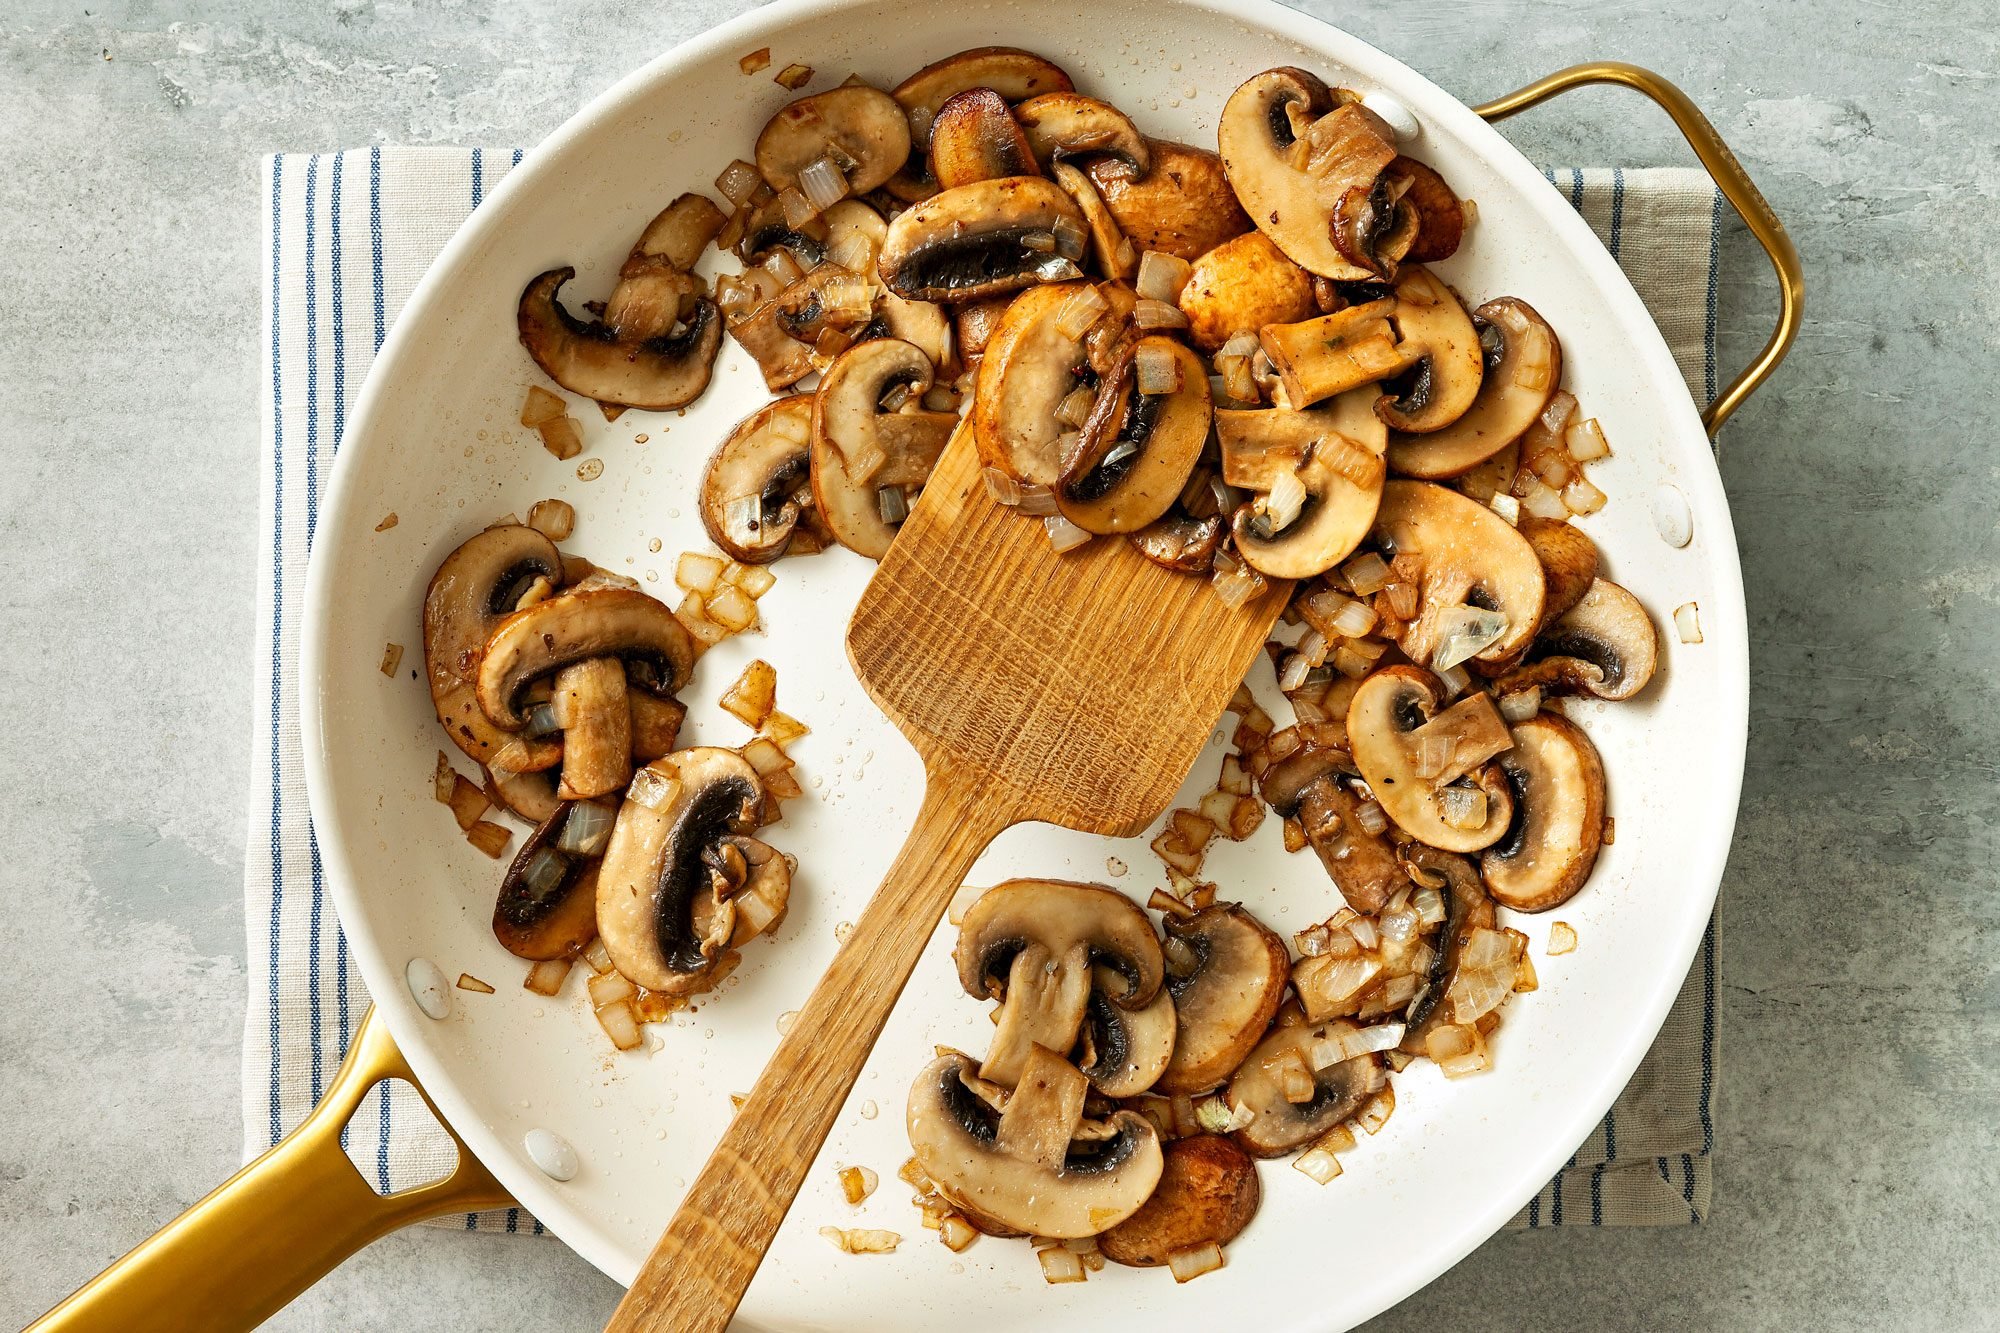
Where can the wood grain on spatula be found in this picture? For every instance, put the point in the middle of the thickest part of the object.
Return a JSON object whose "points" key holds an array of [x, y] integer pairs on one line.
{"points": [[1075, 689]]}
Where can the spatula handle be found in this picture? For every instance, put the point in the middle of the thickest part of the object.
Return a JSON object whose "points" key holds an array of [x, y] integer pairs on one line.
{"points": [[697, 1273]]}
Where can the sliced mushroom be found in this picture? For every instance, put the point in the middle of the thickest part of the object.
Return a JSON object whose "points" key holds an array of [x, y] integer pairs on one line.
{"points": [[768, 230], [1568, 558], [1066, 124], [1444, 379], [974, 241], [1550, 848], [1207, 1194], [578, 626], [1605, 645], [591, 706], [1063, 930], [1028, 368], [682, 230], [1116, 257], [1521, 368], [1125, 1050], [974, 323], [975, 138], [1182, 206], [1242, 285], [1278, 1126], [921, 323], [1015, 74], [782, 359], [1467, 908], [651, 297], [1374, 227], [1135, 451], [658, 372], [862, 130], [765, 894], [827, 300], [1037, 1166], [1293, 191], [532, 796], [758, 486], [1333, 454], [477, 586], [1471, 557], [1440, 216], [861, 453], [854, 235], [1362, 865], [1229, 982], [547, 906], [1393, 714], [1330, 354], [665, 906], [1180, 541]]}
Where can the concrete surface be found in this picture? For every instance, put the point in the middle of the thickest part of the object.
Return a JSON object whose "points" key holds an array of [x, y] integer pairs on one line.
{"points": [[1858, 1165]]}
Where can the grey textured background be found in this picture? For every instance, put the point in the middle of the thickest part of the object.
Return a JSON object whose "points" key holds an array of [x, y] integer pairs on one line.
{"points": [[1858, 1165]]}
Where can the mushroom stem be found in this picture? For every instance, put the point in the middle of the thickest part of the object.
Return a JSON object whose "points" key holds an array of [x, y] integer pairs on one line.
{"points": [[1047, 997], [592, 707], [1044, 1111]]}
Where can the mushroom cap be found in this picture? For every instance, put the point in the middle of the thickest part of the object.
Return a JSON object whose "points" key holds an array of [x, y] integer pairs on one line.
{"points": [[1286, 782], [1136, 451], [655, 373], [551, 920], [474, 589], [1207, 1194], [974, 322], [1110, 1169], [1129, 1048], [601, 622], [767, 457], [975, 138], [1180, 541], [1467, 908], [1471, 556], [971, 241], [1382, 724], [664, 914], [1010, 71], [681, 231], [1071, 921], [1278, 1126], [1068, 124], [1339, 453], [1440, 216], [532, 796], [1240, 286], [1362, 865], [1224, 1005], [848, 424], [1606, 643], [1182, 206], [1521, 364], [1443, 384], [1115, 258], [1568, 558], [1551, 846], [864, 130], [1028, 368]]}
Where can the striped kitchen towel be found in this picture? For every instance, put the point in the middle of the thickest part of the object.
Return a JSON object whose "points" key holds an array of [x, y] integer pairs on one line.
{"points": [[347, 235]]}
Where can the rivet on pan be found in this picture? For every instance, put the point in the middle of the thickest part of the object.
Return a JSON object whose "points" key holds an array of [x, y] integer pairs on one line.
{"points": [[428, 987], [1671, 518], [552, 1153], [1391, 109]]}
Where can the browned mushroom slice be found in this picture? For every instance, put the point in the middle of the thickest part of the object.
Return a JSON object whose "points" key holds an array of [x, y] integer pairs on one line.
{"points": [[978, 240], [1317, 358], [974, 323], [1551, 847], [783, 359], [1467, 909], [656, 724], [1440, 216], [1308, 785], [576, 627], [681, 231], [1444, 379], [975, 138], [758, 486], [1605, 645], [1137, 447], [532, 796], [1015, 74], [591, 707], [1291, 156], [655, 373], [1413, 752], [547, 906], [1568, 558], [476, 587], [828, 299], [1029, 367], [1227, 976], [1180, 541], [1124, 1051], [1242, 285], [665, 894], [1472, 560], [1373, 226], [1319, 477], [1116, 257], [1522, 365], [1182, 206], [1066, 124], [768, 230], [860, 131], [1279, 1125], [1207, 1194], [868, 464]]}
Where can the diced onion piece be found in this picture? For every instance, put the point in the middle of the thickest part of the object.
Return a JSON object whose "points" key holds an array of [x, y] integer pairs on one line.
{"points": [[1525, 979], [1156, 370], [1295, 1080], [562, 437], [1454, 679], [1367, 574], [1064, 535], [732, 610], [857, 1183], [1235, 584], [1398, 925], [1001, 487], [757, 60], [1057, 269], [554, 519], [1484, 977], [1151, 315], [653, 789], [1540, 500], [466, 981], [1562, 939], [738, 181], [1433, 753], [1188, 1265], [1162, 277], [956, 1233], [1330, 986], [586, 829], [1353, 621], [1375, 1112], [547, 976], [822, 183], [1687, 622], [755, 580], [611, 988], [1214, 1114], [468, 802], [1464, 632], [782, 786], [793, 77], [1507, 507], [1555, 417], [1060, 1265], [696, 572], [620, 1024], [1362, 928], [962, 901], [1458, 1051], [1286, 498], [1041, 242], [1074, 409], [1585, 441], [783, 728], [1344, 1041], [1370, 816], [753, 694], [1317, 1164], [1610, 831], [1293, 674], [1464, 807], [862, 1240], [1070, 237], [1078, 313], [763, 754], [392, 657], [540, 406], [1428, 904], [1580, 497], [1521, 704]]}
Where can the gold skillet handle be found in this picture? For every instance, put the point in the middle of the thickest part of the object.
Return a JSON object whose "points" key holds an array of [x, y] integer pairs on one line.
{"points": [[1730, 178], [275, 1227]]}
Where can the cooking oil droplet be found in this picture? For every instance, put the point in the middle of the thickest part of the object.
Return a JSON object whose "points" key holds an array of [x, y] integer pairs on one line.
{"points": [[869, 1110]]}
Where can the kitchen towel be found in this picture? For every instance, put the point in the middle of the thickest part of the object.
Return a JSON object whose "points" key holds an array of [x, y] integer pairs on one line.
{"points": [[347, 235]]}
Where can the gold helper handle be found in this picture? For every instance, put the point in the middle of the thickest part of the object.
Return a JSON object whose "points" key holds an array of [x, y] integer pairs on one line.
{"points": [[277, 1226], [1730, 178]]}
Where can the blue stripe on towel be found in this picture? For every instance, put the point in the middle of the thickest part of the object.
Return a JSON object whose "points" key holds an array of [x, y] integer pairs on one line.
{"points": [[1714, 270], [318, 907]]}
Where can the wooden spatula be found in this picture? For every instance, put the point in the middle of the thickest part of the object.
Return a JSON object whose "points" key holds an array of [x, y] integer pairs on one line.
{"points": [[1074, 689]]}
